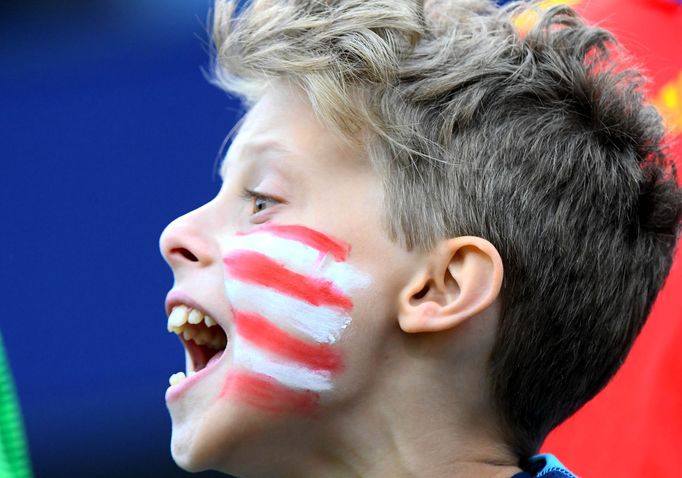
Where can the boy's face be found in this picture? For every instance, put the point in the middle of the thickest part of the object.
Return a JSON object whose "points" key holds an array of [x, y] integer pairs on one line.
{"points": [[292, 262]]}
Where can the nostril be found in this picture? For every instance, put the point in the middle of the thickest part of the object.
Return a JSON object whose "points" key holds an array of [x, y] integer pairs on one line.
{"points": [[185, 253]]}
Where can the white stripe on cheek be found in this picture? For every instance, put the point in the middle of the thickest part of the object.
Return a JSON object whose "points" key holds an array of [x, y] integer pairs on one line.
{"points": [[289, 374], [322, 324], [301, 258]]}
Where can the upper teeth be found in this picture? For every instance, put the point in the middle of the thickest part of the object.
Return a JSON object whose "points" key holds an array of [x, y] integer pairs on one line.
{"points": [[182, 315], [195, 316]]}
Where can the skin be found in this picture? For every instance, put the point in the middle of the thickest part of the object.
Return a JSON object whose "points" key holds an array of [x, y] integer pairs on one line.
{"points": [[412, 399]]}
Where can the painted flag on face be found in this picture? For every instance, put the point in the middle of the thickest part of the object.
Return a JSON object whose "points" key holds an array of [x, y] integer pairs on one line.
{"points": [[290, 291]]}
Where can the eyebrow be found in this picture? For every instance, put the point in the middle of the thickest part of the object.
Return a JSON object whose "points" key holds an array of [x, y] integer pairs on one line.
{"points": [[256, 150]]}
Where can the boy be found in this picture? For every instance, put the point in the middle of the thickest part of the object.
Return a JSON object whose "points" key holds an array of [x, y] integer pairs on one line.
{"points": [[436, 239]]}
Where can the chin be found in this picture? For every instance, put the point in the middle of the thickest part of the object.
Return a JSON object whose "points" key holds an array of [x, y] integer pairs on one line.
{"points": [[200, 442], [227, 438], [186, 451]]}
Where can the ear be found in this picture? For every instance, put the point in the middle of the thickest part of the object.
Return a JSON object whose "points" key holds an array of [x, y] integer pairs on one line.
{"points": [[460, 278]]}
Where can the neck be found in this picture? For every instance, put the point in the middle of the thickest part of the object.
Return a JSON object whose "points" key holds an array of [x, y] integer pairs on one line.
{"points": [[422, 454], [415, 422]]}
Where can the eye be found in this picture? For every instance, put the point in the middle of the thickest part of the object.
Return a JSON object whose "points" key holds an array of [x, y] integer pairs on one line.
{"points": [[259, 202]]}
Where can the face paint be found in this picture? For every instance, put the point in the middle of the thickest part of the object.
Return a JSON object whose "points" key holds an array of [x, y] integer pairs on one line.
{"points": [[289, 287]]}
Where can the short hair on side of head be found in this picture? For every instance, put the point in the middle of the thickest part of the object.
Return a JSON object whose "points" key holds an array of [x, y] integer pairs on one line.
{"points": [[541, 143]]}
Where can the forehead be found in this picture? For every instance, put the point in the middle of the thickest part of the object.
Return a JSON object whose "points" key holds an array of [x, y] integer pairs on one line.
{"points": [[282, 127], [264, 151]]}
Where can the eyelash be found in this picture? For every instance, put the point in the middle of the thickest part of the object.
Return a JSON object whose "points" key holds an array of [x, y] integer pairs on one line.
{"points": [[253, 196]]}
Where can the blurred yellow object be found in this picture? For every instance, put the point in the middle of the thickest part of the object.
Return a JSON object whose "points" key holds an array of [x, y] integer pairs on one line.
{"points": [[668, 101], [527, 19]]}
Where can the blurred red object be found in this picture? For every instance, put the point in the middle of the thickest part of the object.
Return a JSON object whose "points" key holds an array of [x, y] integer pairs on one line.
{"points": [[633, 428]]}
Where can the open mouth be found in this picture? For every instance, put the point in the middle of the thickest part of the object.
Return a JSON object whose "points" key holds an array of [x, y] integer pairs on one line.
{"points": [[203, 339]]}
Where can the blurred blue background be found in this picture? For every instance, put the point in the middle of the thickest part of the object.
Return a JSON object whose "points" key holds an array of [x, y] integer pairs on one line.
{"points": [[108, 131]]}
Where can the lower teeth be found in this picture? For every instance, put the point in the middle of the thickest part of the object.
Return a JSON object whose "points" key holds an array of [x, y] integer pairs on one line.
{"points": [[176, 378]]}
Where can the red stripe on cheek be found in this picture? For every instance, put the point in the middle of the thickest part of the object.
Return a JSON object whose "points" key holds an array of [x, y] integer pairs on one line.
{"points": [[264, 334], [262, 392], [257, 268], [307, 236]]}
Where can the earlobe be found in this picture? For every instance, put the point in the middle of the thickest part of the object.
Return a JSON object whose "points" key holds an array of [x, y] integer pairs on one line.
{"points": [[460, 279]]}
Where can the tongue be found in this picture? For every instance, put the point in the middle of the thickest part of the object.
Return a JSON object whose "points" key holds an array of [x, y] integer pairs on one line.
{"points": [[215, 358]]}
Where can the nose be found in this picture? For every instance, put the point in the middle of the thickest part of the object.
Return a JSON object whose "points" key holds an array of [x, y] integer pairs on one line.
{"points": [[187, 242]]}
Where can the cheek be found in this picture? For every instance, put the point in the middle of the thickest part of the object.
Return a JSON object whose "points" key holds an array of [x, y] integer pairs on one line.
{"points": [[290, 289], [375, 327]]}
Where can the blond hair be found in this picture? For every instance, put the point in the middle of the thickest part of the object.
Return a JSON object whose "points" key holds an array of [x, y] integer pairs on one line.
{"points": [[536, 142]]}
